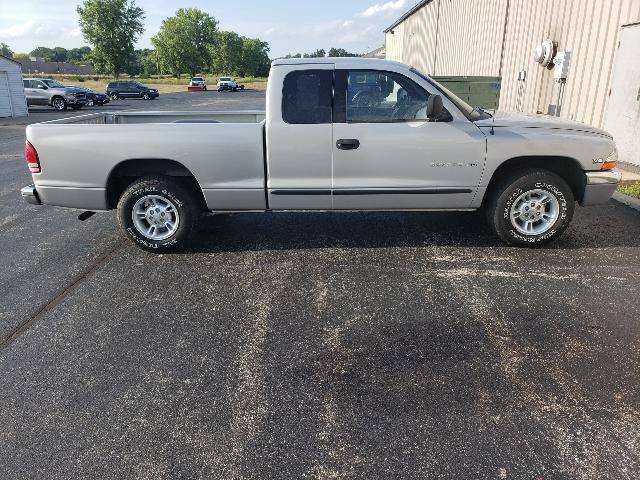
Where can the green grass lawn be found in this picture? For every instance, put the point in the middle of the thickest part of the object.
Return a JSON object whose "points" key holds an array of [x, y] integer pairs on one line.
{"points": [[631, 189]]}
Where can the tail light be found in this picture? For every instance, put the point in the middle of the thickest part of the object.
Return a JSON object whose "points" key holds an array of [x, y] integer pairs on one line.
{"points": [[30, 154]]}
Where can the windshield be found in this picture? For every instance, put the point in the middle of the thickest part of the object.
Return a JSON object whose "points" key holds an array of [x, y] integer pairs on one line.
{"points": [[53, 84], [225, 79], [467, 110], [198, 79]]}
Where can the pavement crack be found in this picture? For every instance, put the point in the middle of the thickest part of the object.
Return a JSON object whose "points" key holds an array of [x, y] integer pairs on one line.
{"points": [[64, 292]]}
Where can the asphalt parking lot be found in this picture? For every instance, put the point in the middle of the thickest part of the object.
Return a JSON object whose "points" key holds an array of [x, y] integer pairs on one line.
{"points": [[352, 345]]}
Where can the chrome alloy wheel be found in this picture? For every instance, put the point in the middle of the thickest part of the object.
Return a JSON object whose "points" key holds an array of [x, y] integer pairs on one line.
{"points": [[534, 212], [58, 103], [155, 217]]}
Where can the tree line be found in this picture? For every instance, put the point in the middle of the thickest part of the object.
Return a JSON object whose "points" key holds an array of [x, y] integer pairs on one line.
{"points": [[188, 43], [56, 54], [333, 52]]}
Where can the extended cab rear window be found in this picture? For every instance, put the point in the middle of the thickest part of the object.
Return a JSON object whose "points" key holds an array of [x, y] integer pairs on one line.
{"points": [[307, 97]]}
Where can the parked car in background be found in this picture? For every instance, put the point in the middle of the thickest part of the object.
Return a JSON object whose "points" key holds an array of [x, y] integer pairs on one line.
{"points": [[45, 91], [93, 98], [417, 147], [129, 89], [198, 82], [228, 84]]}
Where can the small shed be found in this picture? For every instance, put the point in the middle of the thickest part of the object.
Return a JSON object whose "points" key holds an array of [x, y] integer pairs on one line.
{"points": [[12, 100]]}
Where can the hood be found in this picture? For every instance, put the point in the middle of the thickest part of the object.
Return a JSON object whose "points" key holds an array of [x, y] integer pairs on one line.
{"points": [[547, 122], [71, 89]]}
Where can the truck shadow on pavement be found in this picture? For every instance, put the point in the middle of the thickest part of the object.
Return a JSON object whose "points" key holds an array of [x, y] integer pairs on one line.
{"points": [[612, 225]]}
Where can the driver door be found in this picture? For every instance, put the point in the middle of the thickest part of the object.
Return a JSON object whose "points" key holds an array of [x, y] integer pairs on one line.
{"points": [[37, 93], [388, 155]]}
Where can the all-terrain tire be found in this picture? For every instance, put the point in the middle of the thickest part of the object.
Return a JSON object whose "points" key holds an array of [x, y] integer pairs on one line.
{"points": [[530, 208], [177, 206]]}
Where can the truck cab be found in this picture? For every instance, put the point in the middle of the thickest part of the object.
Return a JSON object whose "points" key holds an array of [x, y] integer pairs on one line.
{"points": [[371, 140]]}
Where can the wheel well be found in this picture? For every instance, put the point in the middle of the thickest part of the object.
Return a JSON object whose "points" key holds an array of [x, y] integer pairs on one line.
{"points": [[567, 168], [126, 172]]}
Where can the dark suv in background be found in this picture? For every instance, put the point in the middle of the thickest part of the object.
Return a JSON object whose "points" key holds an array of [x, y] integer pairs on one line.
{"points": [[116, 90]]}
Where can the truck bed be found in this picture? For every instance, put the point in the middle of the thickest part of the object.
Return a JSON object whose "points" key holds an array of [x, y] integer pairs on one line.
{"points": [[128, 117], [222, 150]]}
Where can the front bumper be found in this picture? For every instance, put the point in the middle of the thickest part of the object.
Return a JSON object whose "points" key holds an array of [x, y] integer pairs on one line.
{"points": [[30, 195], [76, 101], [600, 187]]}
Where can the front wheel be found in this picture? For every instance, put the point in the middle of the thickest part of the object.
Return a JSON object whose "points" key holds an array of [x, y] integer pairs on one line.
{"points": [[158, 214], [59, 104], [146, 96], [530, 208], [115, 96]]}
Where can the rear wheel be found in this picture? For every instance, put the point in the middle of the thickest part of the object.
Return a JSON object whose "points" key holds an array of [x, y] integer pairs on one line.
{"points": [[59, 103], [158, 214], [530, 208]]}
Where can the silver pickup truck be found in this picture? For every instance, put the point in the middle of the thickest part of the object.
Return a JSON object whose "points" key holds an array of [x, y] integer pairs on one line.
{"points": [[45, 91], [338, 134]]}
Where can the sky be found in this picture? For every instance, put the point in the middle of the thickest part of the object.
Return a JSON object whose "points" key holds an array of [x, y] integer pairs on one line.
{"points": [[290, 26]]}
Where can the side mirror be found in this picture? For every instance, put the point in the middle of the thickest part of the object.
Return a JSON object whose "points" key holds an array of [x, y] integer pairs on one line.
{"points": [[435, 107], [42, 87]]}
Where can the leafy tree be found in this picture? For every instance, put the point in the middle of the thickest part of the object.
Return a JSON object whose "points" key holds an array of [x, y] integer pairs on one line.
{"points": [[59, 54], [112, 27], [144, 64], [226, 53], [5, 51], [183, 41], [341, 52], [334, 52], [20, 55], [43, 52], [317, 54], [76, 55], [255, 58]]}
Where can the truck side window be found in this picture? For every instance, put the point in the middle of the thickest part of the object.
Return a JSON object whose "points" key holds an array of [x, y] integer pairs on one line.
{"points": [[383, 97], [307, 97]]}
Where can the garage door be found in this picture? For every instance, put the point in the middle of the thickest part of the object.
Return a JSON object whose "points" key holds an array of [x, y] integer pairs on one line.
{"points": [[623, 110], [5, 96]]}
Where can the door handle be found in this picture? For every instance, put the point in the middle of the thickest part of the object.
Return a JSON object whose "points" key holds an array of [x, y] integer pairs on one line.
{"points": [[348, 144]]}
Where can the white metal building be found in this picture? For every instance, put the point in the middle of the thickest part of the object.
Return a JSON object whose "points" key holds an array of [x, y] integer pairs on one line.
{"points": [[12, 100], [497, 38]]}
